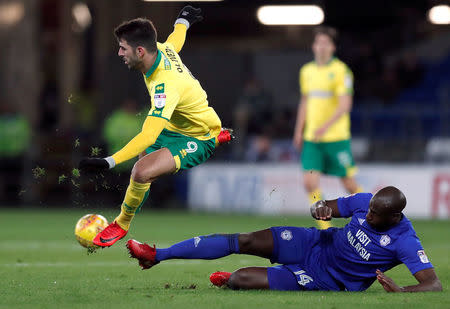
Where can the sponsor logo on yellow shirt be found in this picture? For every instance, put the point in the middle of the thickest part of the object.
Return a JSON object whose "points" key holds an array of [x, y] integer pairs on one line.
{"points": [[159, 88]]}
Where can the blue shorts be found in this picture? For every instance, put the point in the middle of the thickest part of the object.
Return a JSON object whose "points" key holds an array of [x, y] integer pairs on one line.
{"points": [[282, 279], [298, 249]]}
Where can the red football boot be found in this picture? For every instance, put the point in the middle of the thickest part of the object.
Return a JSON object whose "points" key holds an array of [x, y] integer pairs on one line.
{"points": [[109, 235], [143, 252], [225, 136], [219, 278]]}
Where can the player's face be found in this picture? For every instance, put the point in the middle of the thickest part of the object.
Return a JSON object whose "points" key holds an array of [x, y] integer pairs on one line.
{"points": [[323, 47], [128, 54], [379, 217]]}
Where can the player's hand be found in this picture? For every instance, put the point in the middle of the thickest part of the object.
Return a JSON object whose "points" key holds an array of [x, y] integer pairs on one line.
{"points": [[298, 141], [387, 283], [320, 211], [319, 133], [93, 165], [189, 15]]}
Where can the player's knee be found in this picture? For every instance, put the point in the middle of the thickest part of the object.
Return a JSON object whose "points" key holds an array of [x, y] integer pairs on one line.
{"points": [[310, 185], [310, 182], [349, 185], [245, 242], [239, 279], [141, 173]]}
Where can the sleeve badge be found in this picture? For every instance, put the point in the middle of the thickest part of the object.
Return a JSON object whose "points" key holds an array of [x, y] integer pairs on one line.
{"points": [[159, 100], [423, 257]]}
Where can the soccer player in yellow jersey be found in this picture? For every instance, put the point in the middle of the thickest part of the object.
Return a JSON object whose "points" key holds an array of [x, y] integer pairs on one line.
{"points": [[322, 130], [181, 130]]}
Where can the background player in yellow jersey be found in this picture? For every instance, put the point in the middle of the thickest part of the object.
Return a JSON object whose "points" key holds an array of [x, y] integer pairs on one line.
{"points": [[322, 130], [180, 131]]}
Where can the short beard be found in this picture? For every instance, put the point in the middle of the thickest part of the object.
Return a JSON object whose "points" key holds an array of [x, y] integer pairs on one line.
{"points": [[134, 64]]}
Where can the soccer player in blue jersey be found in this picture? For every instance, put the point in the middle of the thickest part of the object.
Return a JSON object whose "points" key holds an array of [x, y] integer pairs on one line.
{"points": [[377, 238]]}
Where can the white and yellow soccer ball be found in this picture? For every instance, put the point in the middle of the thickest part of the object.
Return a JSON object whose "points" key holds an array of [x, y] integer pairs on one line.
{"points": [[88, 227]]}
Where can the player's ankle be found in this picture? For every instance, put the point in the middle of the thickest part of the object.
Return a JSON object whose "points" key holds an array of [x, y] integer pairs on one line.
{"points": [[124, 224]]}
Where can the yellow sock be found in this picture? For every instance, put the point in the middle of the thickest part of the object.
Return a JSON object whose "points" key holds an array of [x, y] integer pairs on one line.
{"points": [[133, 199], [315, 196], [359, 189], [323, 225]]}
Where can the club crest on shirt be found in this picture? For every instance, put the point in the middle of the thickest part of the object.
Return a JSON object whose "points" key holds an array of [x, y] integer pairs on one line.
{"points": [[286, 235], [159, 100], [196, 241], [423, 257], [385, 240]]}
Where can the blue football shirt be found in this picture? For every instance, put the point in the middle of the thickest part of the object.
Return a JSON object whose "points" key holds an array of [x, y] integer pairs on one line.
{"points": [[352, 254]]}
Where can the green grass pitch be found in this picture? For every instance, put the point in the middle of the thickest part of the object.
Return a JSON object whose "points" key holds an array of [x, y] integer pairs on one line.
{"points": [[42, 266]]}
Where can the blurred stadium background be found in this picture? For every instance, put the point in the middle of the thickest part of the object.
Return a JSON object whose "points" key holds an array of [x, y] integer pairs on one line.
{"points": [[65, 94], [63, 90]]}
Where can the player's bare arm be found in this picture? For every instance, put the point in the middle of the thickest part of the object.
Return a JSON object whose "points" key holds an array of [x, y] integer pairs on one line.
{"points": [[344, 107], [325, 210], [300, 122], [427, 278]]}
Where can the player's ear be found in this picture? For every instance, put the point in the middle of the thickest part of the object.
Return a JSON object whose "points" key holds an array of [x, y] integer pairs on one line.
{"points": [[140, 51]]}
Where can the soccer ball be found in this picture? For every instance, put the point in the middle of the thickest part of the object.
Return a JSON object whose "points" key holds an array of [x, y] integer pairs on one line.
{"points": [[88, 227]]}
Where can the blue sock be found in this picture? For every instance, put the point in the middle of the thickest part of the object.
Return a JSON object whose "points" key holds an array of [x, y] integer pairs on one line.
{"points": [[202, 247]]}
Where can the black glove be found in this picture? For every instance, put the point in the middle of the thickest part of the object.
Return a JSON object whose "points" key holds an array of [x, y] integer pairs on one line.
{"points": [[190, 15], [93, 165]]}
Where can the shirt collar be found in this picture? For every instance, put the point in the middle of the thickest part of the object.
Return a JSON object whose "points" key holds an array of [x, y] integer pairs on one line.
{"points": [[328, 63], [155, 65]]}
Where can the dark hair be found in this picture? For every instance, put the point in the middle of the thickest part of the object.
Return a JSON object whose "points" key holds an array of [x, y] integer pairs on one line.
{"points": [[138, 32], [328, 31]]}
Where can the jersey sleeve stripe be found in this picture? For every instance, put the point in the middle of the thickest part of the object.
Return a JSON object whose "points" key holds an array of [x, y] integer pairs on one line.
{"points": [[150, 115]]}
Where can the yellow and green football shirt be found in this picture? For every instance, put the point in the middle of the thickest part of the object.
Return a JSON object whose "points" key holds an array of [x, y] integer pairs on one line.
{"points": [[178, 102], [179, 98], [322, 85]]}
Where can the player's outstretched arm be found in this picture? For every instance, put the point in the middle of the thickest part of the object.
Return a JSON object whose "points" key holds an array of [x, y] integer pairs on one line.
{"points": [[428, 281], [325, 210], [151, 129], [188, 16]]}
